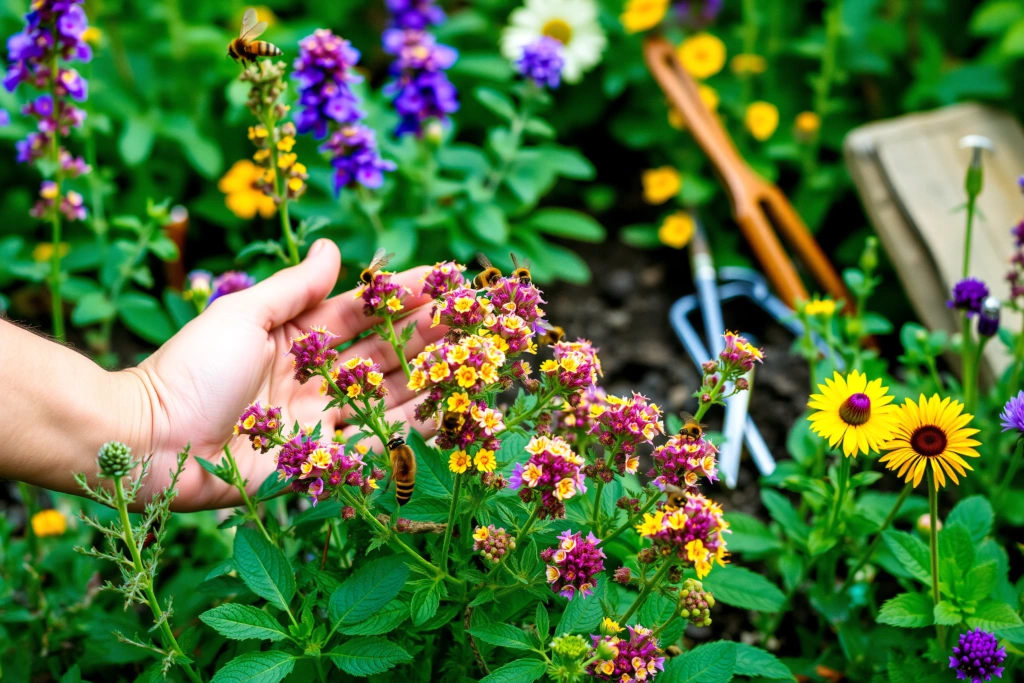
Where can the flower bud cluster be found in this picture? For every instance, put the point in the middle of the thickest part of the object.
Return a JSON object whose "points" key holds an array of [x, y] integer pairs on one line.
{"points": [[313, 353], [444, 277], [575, 366], [695, 603], [316, 469], [573, 565], [492, 543], [262, 426], [625, 423]]}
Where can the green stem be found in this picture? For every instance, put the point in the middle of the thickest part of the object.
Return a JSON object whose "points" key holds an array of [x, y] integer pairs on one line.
{"points": [[56, 299], [705, 407], [542, 403], [630, 522], [933, 370], [240, 485], [154, 604], [878, 535], [107, 328], [933, 548], [1011, 471], [840, 497], [646, 590], [967, 359], [829, 72], [397, 346], [971, 201], [497, 175], [282, 194], [446, 544]]}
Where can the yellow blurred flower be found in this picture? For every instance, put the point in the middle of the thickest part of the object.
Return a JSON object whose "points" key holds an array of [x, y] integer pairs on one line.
{"points": [[266, 14], [807, 124], [641, 15], [703, 55], [48, 523], [44, 251], [92, 35], [822, 307], [677, 230], [762, 119], [744, 64], [242, 194], [661, 184]]}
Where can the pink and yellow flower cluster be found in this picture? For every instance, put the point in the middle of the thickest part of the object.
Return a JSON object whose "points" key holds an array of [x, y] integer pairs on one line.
{"points": [[313, 352], [623, 424], [355, 378], [553, 472], [573, 565], [635, 659], [381, 296], [693, 533], [682, 461], [261, 425], [315, 467]]}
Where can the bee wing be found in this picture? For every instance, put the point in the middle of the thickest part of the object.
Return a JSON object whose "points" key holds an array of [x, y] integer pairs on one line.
{"points": [[672, 488], [256, 31], [516, 263], [249, 20], [484, 261], [380, 259]]}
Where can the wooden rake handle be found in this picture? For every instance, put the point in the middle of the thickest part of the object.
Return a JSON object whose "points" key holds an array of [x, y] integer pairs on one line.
{"points": [[758, 206]]}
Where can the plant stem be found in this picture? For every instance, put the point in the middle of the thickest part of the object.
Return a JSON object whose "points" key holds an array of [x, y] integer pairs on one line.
{"points": [[823, 83], [968, 365], [154, 604], [933, 547], [646, 590], [240, 485], [1010, 472], [282, 194], [397, 346], [844, 478], [446, 544], [107, 328], [539, 407], [933, 369], [629, 522], [56, 300], [878, 535], [971, 201]]}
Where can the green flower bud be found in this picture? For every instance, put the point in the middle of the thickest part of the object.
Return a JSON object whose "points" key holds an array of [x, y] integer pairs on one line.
{"points": [[573, 647], [869, 257], [606, 650], [695, 603], [115, 460]]}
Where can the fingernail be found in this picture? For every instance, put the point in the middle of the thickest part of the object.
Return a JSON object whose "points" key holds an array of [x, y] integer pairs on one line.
{"points": [[316, 248]]}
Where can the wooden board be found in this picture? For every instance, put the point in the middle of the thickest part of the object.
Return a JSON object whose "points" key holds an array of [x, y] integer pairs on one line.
{"points": [[909, 172]]}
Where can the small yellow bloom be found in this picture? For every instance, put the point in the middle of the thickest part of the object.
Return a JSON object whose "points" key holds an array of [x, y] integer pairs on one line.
{"points": [[249, 422], [417, 380], [320, 458], [295, 184], [699, 555], [372, 482], [485, 461], [481, 533], [641, 15], [466, 376], [286, 143], [299, 169], [661, 184], [820, 307], [488, 373], [745, 64], [48, 523], [257, 132], [257, 442], [651, 524], [261, 155], [43, 251], [287, 160], [610, 627], [374, 378], [439, 372], [395, 304], [242, 195], [566, 488], [703, 55], [354, 390], [807, 124], [362, 449], [92, 35], [458, 402], [464, 304], [677, 230], [762, 119], [549, 366], [459, 462]]}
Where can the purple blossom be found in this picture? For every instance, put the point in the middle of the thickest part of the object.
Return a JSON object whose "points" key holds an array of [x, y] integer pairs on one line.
{"points": [[443, 278], [414, 14], [355, 157], [381, 296], [313, 466], [1017, 232], [313, 351], [977, 657], [542, 62], [573, 565], [230, 282], [5, 118], [419, 87], [635, 659], [325, 71], [1013, 414], [696, 14], [968, 295]]}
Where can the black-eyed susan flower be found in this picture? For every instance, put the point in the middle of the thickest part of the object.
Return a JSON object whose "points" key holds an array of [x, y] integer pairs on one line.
{"points": [[932, 430], [853, 411]]}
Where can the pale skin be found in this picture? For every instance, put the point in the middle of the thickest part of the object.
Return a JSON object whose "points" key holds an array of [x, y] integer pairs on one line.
{"points": [[60, 407]]}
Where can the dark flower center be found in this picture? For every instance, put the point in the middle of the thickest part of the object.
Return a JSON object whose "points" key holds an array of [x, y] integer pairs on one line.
{"points": [[856, 410], [928, 441]]}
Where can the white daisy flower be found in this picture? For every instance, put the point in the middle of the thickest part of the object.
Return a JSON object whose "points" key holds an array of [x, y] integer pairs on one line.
{"points": [[572, 22]]}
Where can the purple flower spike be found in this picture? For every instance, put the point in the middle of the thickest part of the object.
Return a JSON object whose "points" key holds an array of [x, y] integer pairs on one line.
{"points": [[324, 70], [230, 282], [414, 14], [977, 657], [355, 158], [968, 295], [419, 87], [542, 62], [1013, 414]]}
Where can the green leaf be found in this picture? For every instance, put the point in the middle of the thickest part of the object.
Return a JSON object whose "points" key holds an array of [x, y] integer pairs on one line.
{"points": [[424, 603], [709, 663], [434, 480], [257, 667], [384, 620], [641, 236], [567, 162], [994, 18], [783, 512], [264, 568], [980, 581], [136, 140], [753, 661], [496, 102], [583, 614], [543, 622], [368, 656], [518, 671], [368, 590], [946, 613], [955, 543], [164, 248], [504, 635], [992, 615], [750, 535], [242, 622], [143, 315], [568, 223], [487, 221], [911, 553], [975, 514], [909, 610], [92, 308], [740, 587]]}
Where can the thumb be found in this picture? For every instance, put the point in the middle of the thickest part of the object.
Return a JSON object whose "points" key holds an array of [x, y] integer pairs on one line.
{"points": [[289, 292]]}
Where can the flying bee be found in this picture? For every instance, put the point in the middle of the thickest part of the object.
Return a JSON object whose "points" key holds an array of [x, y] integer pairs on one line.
{"points": [[675, 498], [451, 422], [245, 47], [403, 469], [691, 427], [522, 270], [488, 276], [380, 259], [552, 334]]}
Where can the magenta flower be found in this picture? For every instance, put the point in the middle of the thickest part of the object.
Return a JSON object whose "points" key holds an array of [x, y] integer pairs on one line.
{"points": [[461, 370], [461, 308], [261, 425], [71, 205], [683, 461], [382, 297], [355, 378], [553, 472], [624, 424], [575, 421], [317, 469], [1013, 414], [575, 367], [492, 543], [230, 282], [573, 565], [693, 533], [739, 355], [968, 296], [515, 333], [480, 427], [977, 657], [313, 353], [511, 295], [444, 277], [636, 659]]}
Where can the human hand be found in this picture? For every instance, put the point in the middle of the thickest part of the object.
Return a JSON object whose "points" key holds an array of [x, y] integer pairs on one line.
{"points": [[197, 384]]}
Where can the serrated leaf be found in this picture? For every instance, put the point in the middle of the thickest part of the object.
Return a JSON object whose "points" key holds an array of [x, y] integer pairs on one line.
{"points": [[242, 622], [709, 663], [975, 514], [911, 553], [222, 473], [368, 656], [583, 614], [384, 620], [955, 543], [504, 635], [542, 621], [257, 667], [783, 512], [518, 671], [946, 613], [992, 615], [908, 610], [980, 581], [740, 587], [263, 568], [424, 603], [368, 590], [753, 661]]}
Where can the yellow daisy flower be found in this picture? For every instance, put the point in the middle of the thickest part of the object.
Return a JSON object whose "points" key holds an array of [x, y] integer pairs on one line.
{"points": [[822, 307], [932, 430], [762, 118], [853, 411], [459, 462], [661, 184], [677, 230], [703, 55], [48, 523], [641, 15]]}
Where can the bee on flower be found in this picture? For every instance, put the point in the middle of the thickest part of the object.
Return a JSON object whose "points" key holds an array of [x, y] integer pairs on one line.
{"points": [[573, 565], [683, 461], [624, 424], [481, 427], [692, 533], [381, 296], [553, 472]]}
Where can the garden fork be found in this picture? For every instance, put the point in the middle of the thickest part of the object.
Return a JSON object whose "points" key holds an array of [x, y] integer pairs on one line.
{"points": [[757, 205]]}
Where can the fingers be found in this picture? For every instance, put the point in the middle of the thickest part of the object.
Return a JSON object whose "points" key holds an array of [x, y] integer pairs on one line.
{"points": [[289, 292], [380, 351]]}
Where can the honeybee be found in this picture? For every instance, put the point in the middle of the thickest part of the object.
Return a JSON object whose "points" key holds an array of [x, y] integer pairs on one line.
{"points": [[552, 334], [245, 47], [403, 469], [380, 259], [455, 335], [691, 427], [675, 498], [522, 271], [451, 422], [488, 276]]}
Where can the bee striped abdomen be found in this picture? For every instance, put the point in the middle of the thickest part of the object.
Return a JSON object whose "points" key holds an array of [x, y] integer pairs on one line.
{"points": [[264, 49], [404, 491]]}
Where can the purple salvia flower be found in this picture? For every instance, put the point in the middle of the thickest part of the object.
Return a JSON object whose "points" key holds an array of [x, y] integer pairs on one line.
{"points": [[355, 157], [230, 282], [542, 62], [1013, 414], [968, 295], [573, 565], [325, 70], [414, 14], [977, 657], [419, 87]]}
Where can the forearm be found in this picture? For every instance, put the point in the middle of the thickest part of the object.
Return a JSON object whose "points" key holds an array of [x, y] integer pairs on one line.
{"points": [[60, 407]]}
